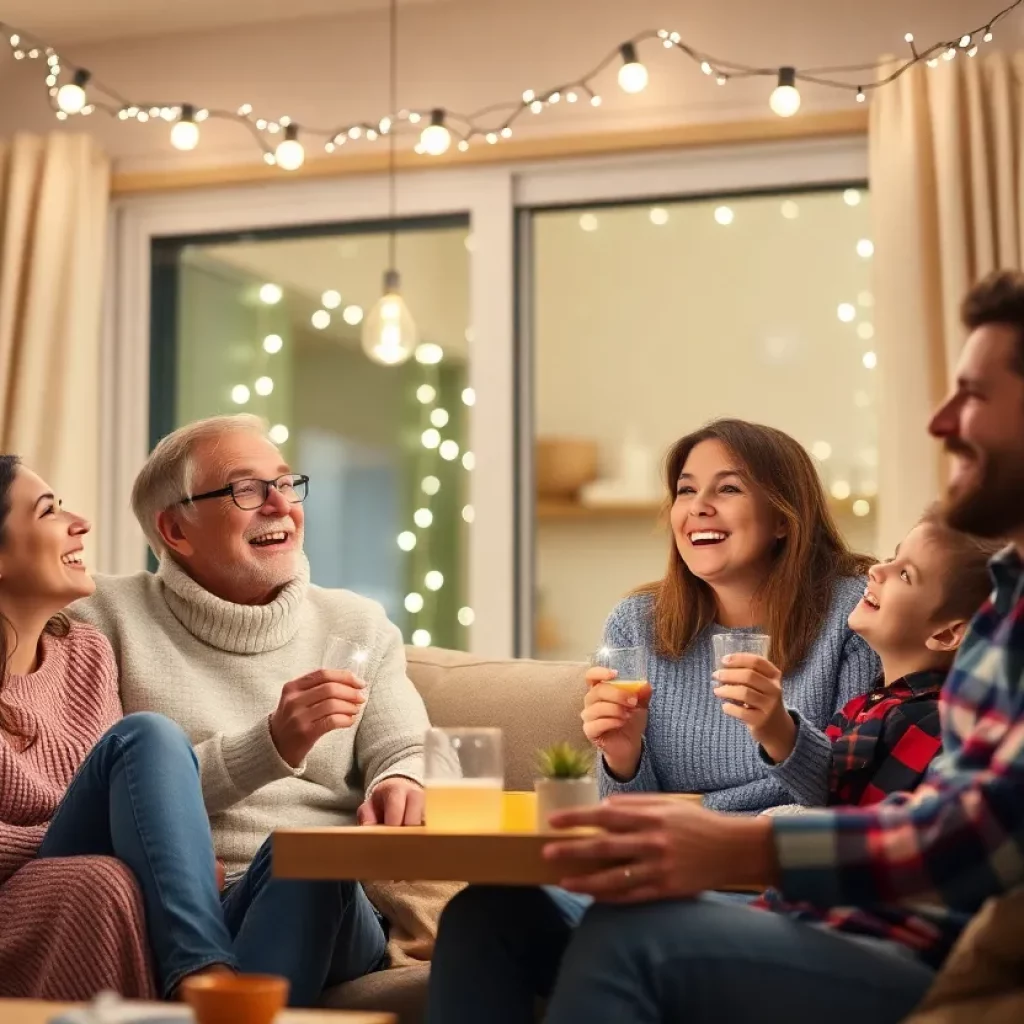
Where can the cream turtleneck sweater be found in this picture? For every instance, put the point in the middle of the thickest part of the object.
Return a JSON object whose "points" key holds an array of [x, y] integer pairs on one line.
{"points": [[217, 670]]}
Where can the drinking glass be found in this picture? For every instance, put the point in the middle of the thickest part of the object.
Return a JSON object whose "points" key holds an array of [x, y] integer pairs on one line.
{"points": [[738, 643], [345, 656], [629, 665], [464, 777]]}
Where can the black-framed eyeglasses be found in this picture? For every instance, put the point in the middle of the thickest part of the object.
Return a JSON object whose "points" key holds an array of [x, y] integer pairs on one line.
{"points": [[250, 494]]}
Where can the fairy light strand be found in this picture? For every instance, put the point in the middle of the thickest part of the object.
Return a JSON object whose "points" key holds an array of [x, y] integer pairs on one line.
{"points": [[74, 91]]}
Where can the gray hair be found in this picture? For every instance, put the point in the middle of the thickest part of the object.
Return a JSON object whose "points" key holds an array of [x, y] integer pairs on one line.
{"points": [[168, 476]]}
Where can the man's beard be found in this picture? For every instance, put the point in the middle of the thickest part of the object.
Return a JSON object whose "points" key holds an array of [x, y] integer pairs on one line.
{"points": [[993, 504]]}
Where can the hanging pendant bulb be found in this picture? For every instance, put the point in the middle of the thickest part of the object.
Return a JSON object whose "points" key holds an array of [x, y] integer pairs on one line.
{"points": [[785, 99], [71, 95], [389, 332]]}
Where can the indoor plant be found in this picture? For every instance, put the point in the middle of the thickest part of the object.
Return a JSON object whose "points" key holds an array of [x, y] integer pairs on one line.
{"points": [[566, 780]]}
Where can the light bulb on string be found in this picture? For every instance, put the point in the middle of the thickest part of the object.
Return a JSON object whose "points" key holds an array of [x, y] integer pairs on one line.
{"points": [[389, 335], [289, 153], [435, 138], [185, 133], [785, 98], [632, 75], [71, 95], [860, 95]]}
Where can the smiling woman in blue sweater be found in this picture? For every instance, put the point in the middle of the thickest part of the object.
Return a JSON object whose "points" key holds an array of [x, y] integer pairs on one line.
{"points": [[754, 549]]}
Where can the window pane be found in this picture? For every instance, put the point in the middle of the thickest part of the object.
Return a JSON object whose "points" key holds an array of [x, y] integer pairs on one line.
{"points": [[274, 327], [652, 319]]}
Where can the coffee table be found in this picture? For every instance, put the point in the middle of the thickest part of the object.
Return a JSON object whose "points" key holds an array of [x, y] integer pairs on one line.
{"points": [[31, 1011]]}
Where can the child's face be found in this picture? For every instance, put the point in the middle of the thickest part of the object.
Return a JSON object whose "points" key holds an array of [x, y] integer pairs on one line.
{"points": [[899, 610]]}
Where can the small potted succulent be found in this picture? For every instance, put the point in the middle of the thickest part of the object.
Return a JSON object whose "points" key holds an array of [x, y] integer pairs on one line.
{"points": [[566, 780]]}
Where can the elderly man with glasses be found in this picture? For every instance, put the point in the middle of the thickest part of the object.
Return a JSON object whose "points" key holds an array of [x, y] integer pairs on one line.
{"points": [[227, 638]]}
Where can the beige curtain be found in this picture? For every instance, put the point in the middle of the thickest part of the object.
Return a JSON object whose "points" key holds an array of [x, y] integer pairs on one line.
{"points": [[946, 165], [54, 194]]}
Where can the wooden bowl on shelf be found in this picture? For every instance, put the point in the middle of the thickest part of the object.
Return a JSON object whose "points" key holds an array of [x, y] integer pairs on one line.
{"points": [[563, 465]]}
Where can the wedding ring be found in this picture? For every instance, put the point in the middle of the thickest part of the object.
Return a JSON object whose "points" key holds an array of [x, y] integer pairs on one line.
{"points": [[627, 873]]}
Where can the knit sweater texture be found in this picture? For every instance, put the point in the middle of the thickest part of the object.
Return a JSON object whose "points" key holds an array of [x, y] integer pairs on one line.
{"points": [[217, 669], [71, 925], [692, 746]]}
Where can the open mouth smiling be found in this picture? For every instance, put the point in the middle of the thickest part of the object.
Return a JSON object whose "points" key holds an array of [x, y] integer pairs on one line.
{"points": [[704, 538]]}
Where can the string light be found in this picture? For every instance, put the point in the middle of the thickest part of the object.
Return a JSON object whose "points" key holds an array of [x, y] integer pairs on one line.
{"points": [[785, 99], [446, 127], [435, 138], [389, 333], [633, 75], [185, 134], [289, 154], [71, 96]]}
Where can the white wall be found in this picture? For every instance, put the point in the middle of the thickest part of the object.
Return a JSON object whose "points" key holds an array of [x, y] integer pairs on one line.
{"points": [[469, 53]]}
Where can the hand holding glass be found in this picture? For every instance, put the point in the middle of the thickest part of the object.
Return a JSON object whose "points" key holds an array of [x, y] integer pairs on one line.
{"points": [[464, 776], [738, 643]]}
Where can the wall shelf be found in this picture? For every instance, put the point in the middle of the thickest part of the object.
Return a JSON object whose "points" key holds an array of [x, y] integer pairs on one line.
{"points": [[553, 510]]}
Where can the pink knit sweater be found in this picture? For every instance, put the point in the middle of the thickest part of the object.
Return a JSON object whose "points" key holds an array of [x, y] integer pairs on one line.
{"points": [[70, 926]]}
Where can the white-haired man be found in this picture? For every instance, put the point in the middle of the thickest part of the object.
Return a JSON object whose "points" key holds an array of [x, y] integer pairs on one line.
{"points": [[227, 638]]}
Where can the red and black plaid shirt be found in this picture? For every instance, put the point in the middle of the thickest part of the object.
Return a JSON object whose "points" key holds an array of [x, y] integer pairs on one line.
{"points": [[884, 740]]}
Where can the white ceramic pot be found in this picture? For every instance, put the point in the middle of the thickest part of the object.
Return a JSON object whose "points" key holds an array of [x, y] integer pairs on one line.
{"points": [[561, 794]]}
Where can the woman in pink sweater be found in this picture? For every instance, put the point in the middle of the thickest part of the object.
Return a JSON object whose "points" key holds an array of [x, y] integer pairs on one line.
{"points": [[86, 794]]}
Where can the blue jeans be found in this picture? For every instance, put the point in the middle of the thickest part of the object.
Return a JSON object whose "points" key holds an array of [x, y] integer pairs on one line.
{"points": [[137, 797], [698, 961]]}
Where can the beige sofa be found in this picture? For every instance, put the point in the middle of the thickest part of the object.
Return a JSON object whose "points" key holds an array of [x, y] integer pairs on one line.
{"points": [[535, 703]]}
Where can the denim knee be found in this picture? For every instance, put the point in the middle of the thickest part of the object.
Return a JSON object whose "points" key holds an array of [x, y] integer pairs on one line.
{"points": [[155, 731], [481, 906]]}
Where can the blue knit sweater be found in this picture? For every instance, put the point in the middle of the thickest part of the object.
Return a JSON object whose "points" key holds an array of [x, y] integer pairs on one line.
{"points": [[691, 746]]}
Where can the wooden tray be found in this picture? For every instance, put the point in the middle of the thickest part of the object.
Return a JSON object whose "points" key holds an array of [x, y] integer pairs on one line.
{"points": [[377, 853]]}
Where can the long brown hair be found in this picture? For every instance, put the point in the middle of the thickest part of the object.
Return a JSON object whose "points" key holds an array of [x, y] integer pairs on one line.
{"points": [[807, 561], [59, 625]]}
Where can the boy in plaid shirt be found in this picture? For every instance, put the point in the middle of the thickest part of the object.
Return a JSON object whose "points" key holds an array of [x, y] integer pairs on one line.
{"points": [[914, 615]]}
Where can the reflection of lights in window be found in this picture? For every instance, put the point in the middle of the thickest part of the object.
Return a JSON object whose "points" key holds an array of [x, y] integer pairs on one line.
{"points": [[239, 394], [790, 209], [273, 343], [846, 313], [279, 433], [588, 222], [468, 397], [271, 294], [321, 319], [429, 354], [469, 461], [414, 602], [331, 299], [466, 616], [439, 417], [865, 248], [659, 216], [433, 580], [865, 331], [861, 507], [430, 485], [468, 514], [821, 450], [421, 638], [430, 438], [870, 360], [264, 386], [449, 450], [352, 315], [407, 540], [866, 299], [724, 215], [851, 197], [423, 517], [425, 394], [840, 490]]}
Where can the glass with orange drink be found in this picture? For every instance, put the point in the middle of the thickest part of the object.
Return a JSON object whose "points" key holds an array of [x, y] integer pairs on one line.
{"points": [[630, 667]]}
